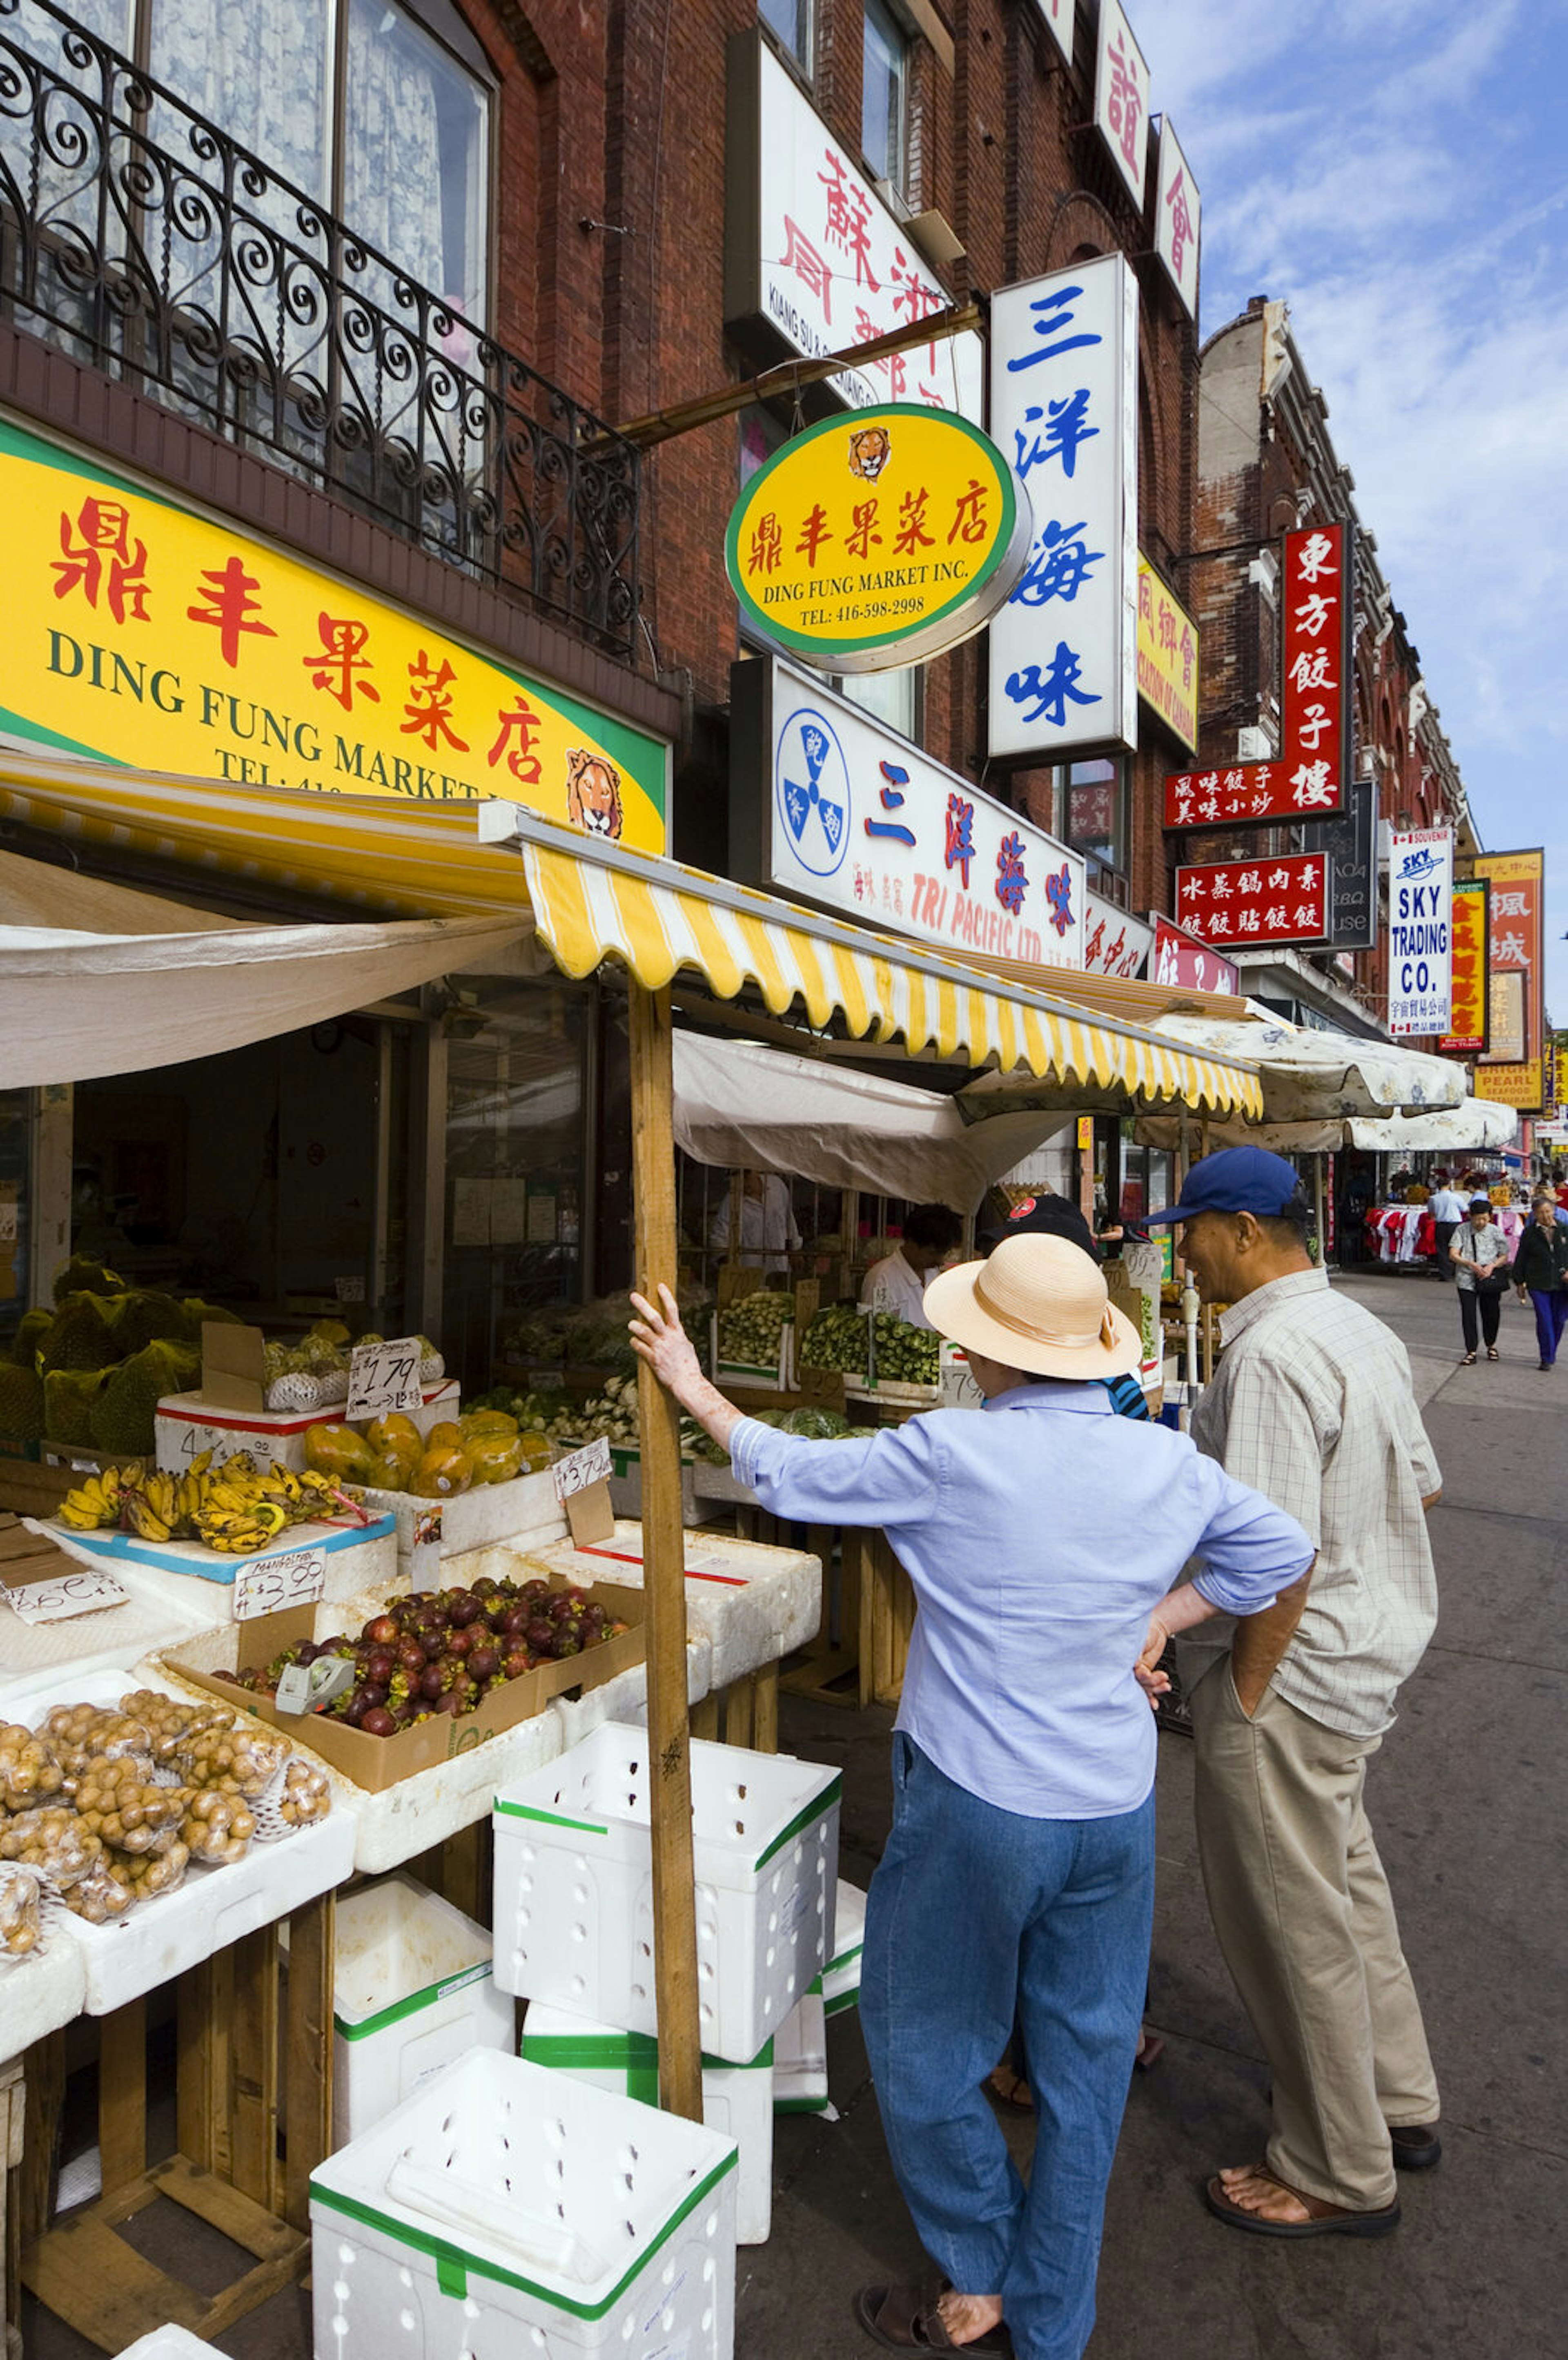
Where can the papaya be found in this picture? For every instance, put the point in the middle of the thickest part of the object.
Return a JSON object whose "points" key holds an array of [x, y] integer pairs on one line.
{"points": [[442, 1472], [474, 1422], [537, 1452], [445, 1437], [494, 1458], [338, 1452], [394, 1442]]}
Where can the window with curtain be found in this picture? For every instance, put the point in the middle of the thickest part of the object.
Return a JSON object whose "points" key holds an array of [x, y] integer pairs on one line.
{"points": [[789, 21], [886, 68], [1090, 813]]}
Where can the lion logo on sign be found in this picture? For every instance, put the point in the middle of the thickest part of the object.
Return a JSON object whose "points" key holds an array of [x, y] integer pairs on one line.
{"points": [[593, 794], [871, 448]]}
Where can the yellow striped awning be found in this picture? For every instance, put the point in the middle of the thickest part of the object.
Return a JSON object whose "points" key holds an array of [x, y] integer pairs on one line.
{"points": [[588, 902]]}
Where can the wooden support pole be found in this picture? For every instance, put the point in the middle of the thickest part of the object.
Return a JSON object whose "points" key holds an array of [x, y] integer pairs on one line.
{"points": [[664, 1558]]}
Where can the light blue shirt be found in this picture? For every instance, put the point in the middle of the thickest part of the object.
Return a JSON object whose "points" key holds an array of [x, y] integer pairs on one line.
{"points": [[1039, 1537]]}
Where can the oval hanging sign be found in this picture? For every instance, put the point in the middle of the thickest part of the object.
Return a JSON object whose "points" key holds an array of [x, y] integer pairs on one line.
{"points": [[878, 538]]}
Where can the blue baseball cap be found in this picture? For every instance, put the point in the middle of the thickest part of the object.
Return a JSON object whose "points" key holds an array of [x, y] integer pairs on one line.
{"points": [[1234, 1180]]}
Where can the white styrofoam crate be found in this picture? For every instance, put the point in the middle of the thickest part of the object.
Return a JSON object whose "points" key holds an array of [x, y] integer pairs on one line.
{"points": [[755, 1604], [574, 1913], [838, 1985], [737, 2100], [489, 2217], [431, 1532], [114, 1638], [184, 1425], [356, 1557], [167, 2344], [800, 2060], [412, 1990], [42, 1991], [215, 1906]]}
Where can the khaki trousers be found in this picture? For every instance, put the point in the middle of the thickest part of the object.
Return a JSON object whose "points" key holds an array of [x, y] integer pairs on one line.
{"points": [[1306, 1921]]}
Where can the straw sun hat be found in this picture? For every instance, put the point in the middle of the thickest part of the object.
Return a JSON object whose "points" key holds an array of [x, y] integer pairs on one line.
{"points": [[1039, 1304]]}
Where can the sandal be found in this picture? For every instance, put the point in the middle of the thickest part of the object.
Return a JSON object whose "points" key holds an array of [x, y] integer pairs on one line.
{"points": [[905, 2319], [1491, 1351], [1010, 2089], [1324, 2220], [1468, 1362]]}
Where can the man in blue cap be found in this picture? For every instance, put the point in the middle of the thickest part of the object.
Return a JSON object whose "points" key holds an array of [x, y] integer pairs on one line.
{"points": [[1312, 1405]]}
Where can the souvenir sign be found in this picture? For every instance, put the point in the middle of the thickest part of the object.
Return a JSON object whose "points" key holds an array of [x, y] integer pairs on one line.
{"points": [[1420, 946]]}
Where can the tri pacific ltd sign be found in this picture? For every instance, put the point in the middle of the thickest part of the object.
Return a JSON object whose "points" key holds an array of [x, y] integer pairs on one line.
{"points": [[829, 805]]}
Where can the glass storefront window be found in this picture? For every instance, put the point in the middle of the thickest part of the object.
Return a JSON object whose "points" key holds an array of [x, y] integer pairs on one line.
{"points": [[1090, 812], [789, 21]]}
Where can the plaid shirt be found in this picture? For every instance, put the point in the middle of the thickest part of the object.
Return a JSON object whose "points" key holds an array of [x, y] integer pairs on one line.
{"points": [[1311, 1406]]}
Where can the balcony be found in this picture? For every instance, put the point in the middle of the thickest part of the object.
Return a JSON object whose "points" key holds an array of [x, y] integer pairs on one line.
{"points": [[141, 239]]}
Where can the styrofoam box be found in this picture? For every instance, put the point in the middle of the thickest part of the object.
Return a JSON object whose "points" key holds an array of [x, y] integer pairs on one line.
{"points": [[184, 1425], [737, 2100], [42, 1991], [114, 1637], [412, 1990], [215, 1906], [431, 1531], [838, 1985], [358, 1558], [167, 2344], [800, 2060], [573, 1914], [490, 2217]]}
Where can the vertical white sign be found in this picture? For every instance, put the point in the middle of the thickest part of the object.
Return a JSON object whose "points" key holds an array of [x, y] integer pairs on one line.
{"points": [[1121, 97], [1064, 407], [1420, 940], [1059, 16], [1178, 218]]}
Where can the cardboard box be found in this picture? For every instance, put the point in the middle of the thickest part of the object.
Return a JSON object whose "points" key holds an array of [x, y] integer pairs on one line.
{"points": [[377, 1763]]}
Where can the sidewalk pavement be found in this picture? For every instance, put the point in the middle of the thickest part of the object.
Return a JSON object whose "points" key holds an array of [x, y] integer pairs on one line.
{"points": [[1467, 1797]]}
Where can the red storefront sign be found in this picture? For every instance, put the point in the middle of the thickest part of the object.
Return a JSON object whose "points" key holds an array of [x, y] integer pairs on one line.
{"points": [[1252, 791], [1315, 700], [1181, 960], [1250, 904]]}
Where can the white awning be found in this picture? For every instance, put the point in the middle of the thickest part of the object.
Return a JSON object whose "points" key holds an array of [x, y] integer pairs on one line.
{"points": [[738, 1104], [1475, 1126], [1311, 1076]]}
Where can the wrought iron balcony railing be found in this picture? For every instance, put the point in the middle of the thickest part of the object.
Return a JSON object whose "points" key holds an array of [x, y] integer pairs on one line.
{"points": [[140, 237]]}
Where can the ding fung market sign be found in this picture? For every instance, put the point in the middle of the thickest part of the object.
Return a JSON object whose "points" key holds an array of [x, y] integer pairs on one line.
{"points": [[137, 633], [877, 538]]}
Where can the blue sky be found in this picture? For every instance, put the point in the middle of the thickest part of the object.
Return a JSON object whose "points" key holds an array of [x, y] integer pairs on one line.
{"points": [[1394, 170]]}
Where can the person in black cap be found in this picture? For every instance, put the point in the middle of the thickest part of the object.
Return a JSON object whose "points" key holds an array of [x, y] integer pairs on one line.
{"points": [[1312, 1404], [1043, 1214]]}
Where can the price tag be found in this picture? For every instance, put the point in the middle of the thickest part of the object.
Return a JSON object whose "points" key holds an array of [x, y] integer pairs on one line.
{"points": [[65, 1594], [384, 1378], [591, 1465], [959, 1388], [296, 1579]]}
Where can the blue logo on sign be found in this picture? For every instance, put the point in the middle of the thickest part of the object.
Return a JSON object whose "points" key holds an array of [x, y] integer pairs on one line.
{"points": [[1418, 864], [811, 789]]}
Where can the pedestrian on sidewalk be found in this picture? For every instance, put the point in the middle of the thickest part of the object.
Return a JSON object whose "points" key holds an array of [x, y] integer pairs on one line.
{"points": [[1041, 1536], [1540, 1273], [1311, 1403], [1479, 1253], [1447, 1211]]}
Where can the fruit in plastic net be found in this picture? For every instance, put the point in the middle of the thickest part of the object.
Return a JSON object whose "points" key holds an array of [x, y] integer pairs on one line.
{"points": [[217, 1827], [119, 1801], [169, 1720], [79, 1733], [54, 1842], [307, 1794], [29, 1773], [145, 1875], [99, 1897], [245, 1759], [21, 1912]]}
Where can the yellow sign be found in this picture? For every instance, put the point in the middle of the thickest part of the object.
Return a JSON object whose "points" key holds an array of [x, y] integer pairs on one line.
{"points": [[1561, 1063], [878, 538], [1168, 656], [1515, 1086], [1086, 1134], [137, 633]]}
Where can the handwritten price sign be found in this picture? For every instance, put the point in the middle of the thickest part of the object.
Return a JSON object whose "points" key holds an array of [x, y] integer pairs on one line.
{"points": [[296, 1579], [66, 1594], [590, 1465], [384, 1378]]}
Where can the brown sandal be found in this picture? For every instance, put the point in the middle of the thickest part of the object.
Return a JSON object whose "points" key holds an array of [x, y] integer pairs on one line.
{"points": [[905, 2319], [1324, 2220]]}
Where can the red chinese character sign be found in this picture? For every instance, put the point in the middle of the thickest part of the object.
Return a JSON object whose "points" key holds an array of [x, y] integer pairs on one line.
{"points": [[1179, 959], [1121, 97], [1113, 941], [1177, 217], [863, 820], [877, 539], [813, 254], [1469, 919], [1317, 703], [1248, 905], [1243, 792]]}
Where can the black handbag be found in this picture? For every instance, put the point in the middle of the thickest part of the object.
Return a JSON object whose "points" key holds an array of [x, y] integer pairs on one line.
{"points": [[1496, 1281]]}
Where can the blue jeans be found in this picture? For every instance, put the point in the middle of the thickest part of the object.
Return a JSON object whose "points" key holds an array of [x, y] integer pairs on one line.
{"points": [[972, 1910], [1550, 1318]]}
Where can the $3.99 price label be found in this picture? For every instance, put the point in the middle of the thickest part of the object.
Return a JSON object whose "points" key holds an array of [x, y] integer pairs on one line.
{"points": [[384, 1378], [296, 1579]]}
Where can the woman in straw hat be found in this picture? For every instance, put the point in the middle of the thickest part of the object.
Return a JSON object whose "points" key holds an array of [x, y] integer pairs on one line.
{"points": [[1045, 1538]]}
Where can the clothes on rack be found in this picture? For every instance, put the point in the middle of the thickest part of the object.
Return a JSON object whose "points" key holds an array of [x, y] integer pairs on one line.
{"points": [[1401, 1233]]}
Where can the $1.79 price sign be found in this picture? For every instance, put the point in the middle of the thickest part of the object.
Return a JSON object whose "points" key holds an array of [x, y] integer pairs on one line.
{"points": [[296, 1579], [66, 1594], [590, 1465], [384, 1378]]}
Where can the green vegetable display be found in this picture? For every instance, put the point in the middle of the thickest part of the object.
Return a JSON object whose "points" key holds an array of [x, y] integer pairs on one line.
{"points": [[838, 1338], [906, 1355], [750, 1328]]}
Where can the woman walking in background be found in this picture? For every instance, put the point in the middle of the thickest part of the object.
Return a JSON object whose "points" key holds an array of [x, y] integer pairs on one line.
{"points": [[1540, 1273], [1480, 1255]]}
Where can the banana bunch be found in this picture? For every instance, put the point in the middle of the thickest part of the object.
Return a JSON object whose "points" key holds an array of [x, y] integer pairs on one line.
{"points": [[236, 1508], [151, 1509], [98, 1501], [240, 1531]]}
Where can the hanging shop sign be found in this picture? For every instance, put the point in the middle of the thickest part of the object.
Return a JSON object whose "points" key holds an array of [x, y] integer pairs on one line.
{"points": [[1064, 407], [1178, 214], [1317, 708], [1467, 1033], [1252, 904], [1179, 959], [1114, 942], [1350, 837], [1243, 795], [1059, 16], [1420, 945], [877, 539], [1121, 98], [138, 633], [1168, 656], [812, 252], [828, 804], [1514, 946]]}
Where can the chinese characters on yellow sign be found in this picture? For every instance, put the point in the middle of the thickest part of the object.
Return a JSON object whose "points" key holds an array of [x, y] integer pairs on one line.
{"points": [[141, 634], [1514, 949], [875, 541], [1168, 656]]}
